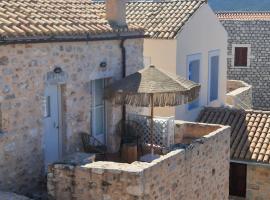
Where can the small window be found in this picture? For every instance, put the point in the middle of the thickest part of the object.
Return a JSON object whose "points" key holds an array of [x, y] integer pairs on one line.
{"points": [[194, 75], [241, 56]]}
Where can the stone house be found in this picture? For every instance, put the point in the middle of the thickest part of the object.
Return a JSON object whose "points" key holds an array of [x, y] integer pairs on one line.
{"points": [[248, 52], [56, 56], [185, 38], [249, 149]]}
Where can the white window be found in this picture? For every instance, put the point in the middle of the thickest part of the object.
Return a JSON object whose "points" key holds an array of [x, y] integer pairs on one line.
{"points": [[213, 69], [241, 55], [98, 110], [193, 69]]}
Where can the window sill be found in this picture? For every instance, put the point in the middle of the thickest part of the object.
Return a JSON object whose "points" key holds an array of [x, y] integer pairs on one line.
{"points": [[240, 67]]}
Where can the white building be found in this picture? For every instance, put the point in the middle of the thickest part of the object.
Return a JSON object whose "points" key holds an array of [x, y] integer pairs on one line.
{"points": [[186, 38]]}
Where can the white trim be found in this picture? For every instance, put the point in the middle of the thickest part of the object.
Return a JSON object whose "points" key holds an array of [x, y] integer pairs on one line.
{"points": [[60, 120], [190, 58], [210, 55], [249, 56]]}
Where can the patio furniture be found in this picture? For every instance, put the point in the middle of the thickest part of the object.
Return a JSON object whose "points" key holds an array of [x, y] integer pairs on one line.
{"points": [[129, 152], [131, 133], [93, 145], [155, 88]]}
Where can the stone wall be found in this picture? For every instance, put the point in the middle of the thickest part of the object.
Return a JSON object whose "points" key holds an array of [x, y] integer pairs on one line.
{"points": [[255, 34], [23, 70], [239, 94], [201, 171], [258, 182]]}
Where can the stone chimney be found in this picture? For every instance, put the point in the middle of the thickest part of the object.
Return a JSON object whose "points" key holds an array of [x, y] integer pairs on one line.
{"points": [[116, 12]]}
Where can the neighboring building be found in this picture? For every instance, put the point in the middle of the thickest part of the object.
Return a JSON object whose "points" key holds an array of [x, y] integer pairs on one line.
{"points": [[249, 52], [186, 38], [55, 58], [250, 149]]}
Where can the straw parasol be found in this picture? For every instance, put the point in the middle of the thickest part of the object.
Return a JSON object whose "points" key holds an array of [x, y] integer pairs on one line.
{"points": [[152, 87]]}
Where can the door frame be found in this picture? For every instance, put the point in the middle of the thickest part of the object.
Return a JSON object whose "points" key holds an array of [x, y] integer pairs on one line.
{"points": [[104, 107], [189, 59], [210, 55], [59, 118]]}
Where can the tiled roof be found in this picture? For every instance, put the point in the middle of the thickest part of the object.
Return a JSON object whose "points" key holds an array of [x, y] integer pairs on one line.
{"points": [[250, 136], [161, 19], [244, 16], [24, 18]]}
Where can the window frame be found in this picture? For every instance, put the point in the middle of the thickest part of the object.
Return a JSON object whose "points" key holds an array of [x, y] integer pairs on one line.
{"points": [[210, 55], [248, 46], [190, 58]]}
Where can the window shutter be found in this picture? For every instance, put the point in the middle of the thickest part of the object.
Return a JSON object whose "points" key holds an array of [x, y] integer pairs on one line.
{"points": [[241, 56]]}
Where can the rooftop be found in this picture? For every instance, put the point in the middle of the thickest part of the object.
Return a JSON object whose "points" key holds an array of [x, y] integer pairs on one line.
{"points": [[54, 18], [250, 132], [244, 16], [160, 19]]}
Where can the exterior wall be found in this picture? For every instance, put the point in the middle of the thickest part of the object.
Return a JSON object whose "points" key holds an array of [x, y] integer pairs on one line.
{"points": [[255, 34], [162, 54], [239, 94], [203, 33], [258, 182], [199, 172], [22, 82]]}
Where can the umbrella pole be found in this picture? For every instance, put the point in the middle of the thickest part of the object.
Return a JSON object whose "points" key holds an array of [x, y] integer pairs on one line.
{"points": [[152, 124]]}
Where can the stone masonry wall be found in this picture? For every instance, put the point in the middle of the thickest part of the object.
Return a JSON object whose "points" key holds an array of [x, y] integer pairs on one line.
{"points": [[258, 182], [23, 69], [256, 34], [239, 95], [199, 172]]}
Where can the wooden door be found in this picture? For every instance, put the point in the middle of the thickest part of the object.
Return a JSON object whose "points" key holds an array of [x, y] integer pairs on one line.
{"points": [[238, 177]]}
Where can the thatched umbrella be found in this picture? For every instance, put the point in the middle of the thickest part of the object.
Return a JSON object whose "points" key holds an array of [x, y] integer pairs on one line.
{"points": [[152, 87]]}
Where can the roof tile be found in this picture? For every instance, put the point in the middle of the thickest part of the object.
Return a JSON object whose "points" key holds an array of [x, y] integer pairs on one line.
{"points": [[162, 19], [244, 16], [250, 136], [28, 18]]}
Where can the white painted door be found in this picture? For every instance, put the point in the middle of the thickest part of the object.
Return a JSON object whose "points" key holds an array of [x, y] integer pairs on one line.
{"points": [[98, 110], [52, 124]]}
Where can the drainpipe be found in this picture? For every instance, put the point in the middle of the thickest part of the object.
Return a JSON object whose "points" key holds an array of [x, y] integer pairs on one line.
{"points": [[123, 53]]}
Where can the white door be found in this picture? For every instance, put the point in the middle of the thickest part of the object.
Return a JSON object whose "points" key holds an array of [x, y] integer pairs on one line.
{"points": [[52, 137], [98, 110]]}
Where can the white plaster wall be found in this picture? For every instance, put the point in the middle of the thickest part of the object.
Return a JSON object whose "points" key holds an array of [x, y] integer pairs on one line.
{"points": [[162, 54], [201, 34]]}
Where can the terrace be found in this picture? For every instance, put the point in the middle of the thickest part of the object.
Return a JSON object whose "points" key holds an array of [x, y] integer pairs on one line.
{"points": [[197, 162], [239, 94]]}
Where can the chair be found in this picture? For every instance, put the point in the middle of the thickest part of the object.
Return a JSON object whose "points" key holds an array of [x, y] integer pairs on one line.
{"points": [[93, 145]]}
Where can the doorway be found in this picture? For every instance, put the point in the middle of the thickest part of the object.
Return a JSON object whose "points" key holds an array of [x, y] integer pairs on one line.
{"points": [[52, 122], [238, 176]]}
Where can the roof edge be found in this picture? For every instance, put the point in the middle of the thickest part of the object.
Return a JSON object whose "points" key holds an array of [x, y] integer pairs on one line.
{"points": [[75, 38]]}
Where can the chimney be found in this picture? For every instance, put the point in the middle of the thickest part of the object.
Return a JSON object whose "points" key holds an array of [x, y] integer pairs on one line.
{"points": [[116, 12]]}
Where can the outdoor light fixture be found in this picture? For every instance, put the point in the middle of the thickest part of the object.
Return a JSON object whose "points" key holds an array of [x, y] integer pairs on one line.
{"points": [[57, 70], [103, 65]]}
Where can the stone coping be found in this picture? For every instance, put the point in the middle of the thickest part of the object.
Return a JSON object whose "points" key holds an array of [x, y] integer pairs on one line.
{"points": [[241, 87]]}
